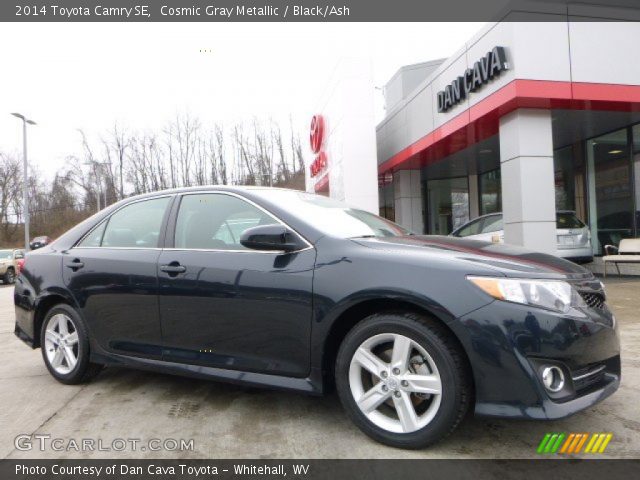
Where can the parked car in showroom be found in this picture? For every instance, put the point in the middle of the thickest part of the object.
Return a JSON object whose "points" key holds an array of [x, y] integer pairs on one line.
{"points": [[573, 236], [284, 289], [39, 242], [9, 259]]}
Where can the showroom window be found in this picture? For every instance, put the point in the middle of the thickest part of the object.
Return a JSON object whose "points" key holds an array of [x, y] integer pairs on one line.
{"points": [[447, 204], [490, 191], [569, 177], [386, 200], [564, 178], [636, 176], [214, 221], [611, 198], [135, 226]]}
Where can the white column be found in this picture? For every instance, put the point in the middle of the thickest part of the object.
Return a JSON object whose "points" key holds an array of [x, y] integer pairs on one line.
{"points": [[528, 187], [407, 193], [347, 106]]}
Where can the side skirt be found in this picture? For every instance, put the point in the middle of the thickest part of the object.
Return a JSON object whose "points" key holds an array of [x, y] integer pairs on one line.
{"points": [[311, 385]]}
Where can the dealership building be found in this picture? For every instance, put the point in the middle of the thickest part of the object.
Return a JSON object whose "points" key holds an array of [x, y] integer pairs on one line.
{"points": [[525, 119]]}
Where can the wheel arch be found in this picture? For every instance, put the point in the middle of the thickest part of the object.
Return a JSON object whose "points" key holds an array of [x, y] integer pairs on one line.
{"points": [[44, 304], [349, 317]]}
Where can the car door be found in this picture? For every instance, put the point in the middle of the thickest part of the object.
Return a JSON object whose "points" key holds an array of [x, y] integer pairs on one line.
{"points": [[112, 274], [226, 306]]}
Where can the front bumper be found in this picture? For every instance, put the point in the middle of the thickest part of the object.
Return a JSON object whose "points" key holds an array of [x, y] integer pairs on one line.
{"points": [[508, 343]]}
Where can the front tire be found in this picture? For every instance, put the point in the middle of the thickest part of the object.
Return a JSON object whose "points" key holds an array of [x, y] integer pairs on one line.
{"points": [[403, 380], [65, 346]]}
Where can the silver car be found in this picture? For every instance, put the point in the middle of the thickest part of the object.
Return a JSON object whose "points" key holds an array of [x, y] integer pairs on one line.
{"points": [[573, 236]]}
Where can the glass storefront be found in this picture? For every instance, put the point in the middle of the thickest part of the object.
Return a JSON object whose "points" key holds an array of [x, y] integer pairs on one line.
{"points": [[598, 178], [611, 196], [490, 192], [636, 176], [447, 204], [386, 201], [569, 174], [564, 174]]}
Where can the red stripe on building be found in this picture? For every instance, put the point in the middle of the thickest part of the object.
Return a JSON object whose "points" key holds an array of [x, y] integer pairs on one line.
{"points": [[482, 120]]}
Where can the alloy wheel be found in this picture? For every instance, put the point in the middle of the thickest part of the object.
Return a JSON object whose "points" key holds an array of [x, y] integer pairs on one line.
{"points": [[395, 383], [61, 343]]}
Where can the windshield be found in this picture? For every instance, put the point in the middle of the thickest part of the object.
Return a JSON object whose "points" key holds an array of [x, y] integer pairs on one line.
{"points": [[6, 254], [567, 220], [332, 217]]}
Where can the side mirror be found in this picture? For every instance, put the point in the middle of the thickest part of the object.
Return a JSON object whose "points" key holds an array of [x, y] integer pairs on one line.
{"points": [[270, 238]]}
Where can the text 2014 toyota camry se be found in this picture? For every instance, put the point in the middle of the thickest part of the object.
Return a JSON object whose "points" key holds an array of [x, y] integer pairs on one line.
{"points": [[285, 289]]}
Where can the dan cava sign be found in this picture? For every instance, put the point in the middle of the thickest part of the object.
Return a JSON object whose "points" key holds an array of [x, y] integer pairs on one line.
{"points": [[483, 71]]}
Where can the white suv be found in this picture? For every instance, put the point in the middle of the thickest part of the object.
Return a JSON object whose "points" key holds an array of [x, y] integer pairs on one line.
{"points": [[573, 236]]}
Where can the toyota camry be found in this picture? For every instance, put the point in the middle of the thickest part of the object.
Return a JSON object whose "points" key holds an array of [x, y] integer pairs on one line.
{"points": [[284, 289]]}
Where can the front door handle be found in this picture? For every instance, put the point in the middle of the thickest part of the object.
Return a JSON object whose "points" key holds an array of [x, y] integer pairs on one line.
{"points": [[173, 269], [75, 264]]}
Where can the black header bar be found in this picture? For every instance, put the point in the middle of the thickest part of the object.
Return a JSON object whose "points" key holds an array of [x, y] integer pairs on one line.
{"points": [[315, 10]]}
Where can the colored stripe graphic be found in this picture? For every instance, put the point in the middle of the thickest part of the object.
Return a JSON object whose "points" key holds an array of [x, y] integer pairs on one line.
{"points": [[543, 443], [573, 443], [583, 439], [605, 443], [568, 442]]}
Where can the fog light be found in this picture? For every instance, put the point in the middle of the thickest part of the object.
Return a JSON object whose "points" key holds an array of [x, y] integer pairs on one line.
{"points": [[553, 378]]}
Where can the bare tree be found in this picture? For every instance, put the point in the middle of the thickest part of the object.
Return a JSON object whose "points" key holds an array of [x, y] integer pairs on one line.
{"points": [[10, 188]]}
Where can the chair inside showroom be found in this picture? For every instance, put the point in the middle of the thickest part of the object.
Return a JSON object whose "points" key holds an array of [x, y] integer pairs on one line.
{"points": [[628, 251]]}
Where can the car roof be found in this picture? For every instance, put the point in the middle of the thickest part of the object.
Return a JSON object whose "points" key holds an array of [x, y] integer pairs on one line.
{"points": [[204, 188]]}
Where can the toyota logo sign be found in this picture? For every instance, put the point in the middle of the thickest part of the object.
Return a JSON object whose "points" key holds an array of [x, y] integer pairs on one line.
{"points": [[316, 136], [316, 139]]}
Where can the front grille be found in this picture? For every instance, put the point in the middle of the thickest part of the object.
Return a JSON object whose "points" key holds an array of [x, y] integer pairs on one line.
{"points": [[594, 300]]}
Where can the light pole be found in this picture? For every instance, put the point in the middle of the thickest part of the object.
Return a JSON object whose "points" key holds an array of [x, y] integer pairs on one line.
{"points": [[25, 188]]}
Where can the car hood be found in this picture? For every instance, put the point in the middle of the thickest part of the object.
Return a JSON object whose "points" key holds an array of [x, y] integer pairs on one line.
{"points": [[508, 260]]}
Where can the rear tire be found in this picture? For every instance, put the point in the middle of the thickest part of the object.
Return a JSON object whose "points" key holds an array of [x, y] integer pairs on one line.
{"points": [[403, 379], [65, 346]]}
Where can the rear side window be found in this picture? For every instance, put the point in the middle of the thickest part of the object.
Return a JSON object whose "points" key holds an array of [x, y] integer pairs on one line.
{"points": [[568, 220], [95, 237], [216, 221], [134, 226]]}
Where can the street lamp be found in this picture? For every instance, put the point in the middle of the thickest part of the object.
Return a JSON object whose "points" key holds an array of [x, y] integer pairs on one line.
{"points": [[25, 188]]}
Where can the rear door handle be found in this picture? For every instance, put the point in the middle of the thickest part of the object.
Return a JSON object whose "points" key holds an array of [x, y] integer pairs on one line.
{"points": [[173, 269], [75, 264]]}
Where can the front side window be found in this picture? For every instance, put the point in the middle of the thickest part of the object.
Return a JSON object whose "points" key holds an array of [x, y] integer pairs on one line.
{"points": [[134, 226], [5, 254], [216, 221], [492, 224], [471, 228]]}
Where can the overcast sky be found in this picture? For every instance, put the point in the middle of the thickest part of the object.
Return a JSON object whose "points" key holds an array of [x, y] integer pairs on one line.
{"points": [[68, 76]]}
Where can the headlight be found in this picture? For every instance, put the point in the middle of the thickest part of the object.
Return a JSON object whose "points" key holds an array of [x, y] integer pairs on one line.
{"points": [[553, 295]]}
